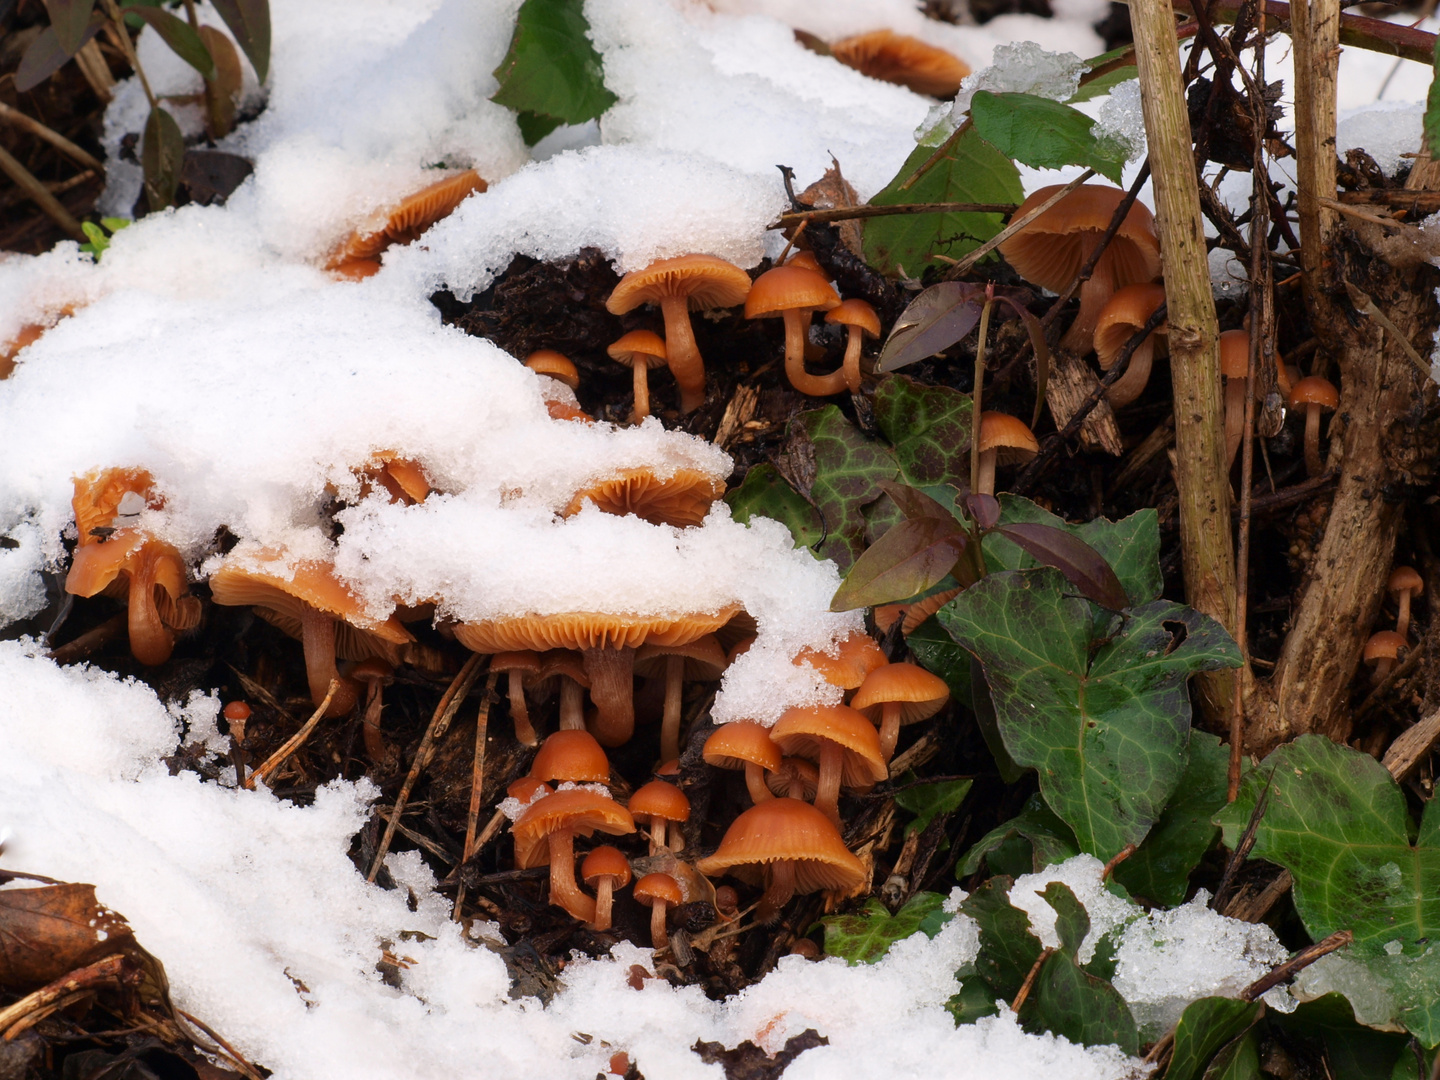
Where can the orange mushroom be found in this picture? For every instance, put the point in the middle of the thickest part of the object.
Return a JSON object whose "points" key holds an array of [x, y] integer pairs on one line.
{"points": [[517, 664], [546, 833], [659, 892], [899, 694], [856, 656], [907, 61], [572, 756], [843, 742], [415, 214], [1404, 584], [375, 674], [664, 806], [1315, 395], [795, 778], [1121, 319], [1381, 652], [793, 293], [639, 350], [680, 498], [1004, 440], [744, 746], [1235, 369], [859, 319], [698, 660], [556, 365], [605, 869]]}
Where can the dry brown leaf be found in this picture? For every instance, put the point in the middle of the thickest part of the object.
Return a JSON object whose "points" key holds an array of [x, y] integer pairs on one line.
{"points": [[49, 931]]}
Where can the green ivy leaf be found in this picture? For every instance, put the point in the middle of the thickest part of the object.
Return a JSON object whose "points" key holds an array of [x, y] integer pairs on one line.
{"points": [[552, 69], [937, 653], [1352, 1050], [866, 936], [1008, 950], [925, 801], [1105, 720], [1204, 1027], [1041, 133], [162, 151], [849, 471], [764, 493], [929, 427], [184, 42], [1072, 922], [1237, 1060], [972, 171], [1067, 1000], [974, 1001], [1049, 840]]}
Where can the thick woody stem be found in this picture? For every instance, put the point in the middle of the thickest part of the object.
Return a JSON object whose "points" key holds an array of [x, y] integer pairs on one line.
{"points": [[779, 888], [682, 354]]}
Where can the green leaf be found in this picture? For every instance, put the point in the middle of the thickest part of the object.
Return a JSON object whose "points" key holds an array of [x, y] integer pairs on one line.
{"points": [[974, 1001], [1105, 720], [552, 69], [1159, 870], [534, 126], [69, 19], [1008, 950], [866, 936], [161, 153], [1352, 1050], [1072, 922], [987, 721], [913, 556], [44, 56], [184, 42], [249, 23], [1204, 1027], [1337, 821], [1067, 1000], [1049, 838], [1041, 133], [849, 471], [972, 171], [1238, 1060], [764, 493], [936, 319], [929, 427], [925, 801], [1105, 83], [1431, 122], [938, 654]]}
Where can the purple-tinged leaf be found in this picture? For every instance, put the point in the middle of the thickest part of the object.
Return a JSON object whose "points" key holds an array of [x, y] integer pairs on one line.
{"points": [[162, 152], [910, 558], [249, 22], [1040, 347], [985, 509], [936, 319], [1082, 565], [44, 56], [184, 42], [70, 19], [914, 503]]}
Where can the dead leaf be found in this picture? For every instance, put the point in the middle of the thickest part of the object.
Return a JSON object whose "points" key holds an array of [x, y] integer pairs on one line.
{"points": [[49, 931], [748, 1062]]}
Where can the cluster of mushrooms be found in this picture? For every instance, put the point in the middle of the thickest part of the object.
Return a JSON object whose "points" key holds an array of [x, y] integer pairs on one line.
{"points": [[1385, 646]]}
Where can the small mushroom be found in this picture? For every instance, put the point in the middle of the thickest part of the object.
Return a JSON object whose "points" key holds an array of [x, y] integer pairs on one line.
{"points": [[517, 664], [664, 806], [1234, 369], [411, 218], [1381, 652], [1004, 440], [639, 350], [1315, 395], [1405, 583], [843, 742], [795, 778], [744, 746], [854, 657], [793, 293], [605, 869], [899, 694], [907, 61], [546, 833], [1121, 319], [571, 755], [698, 660], [568, 668], [658, 892], [374, 674], [859, 319]]}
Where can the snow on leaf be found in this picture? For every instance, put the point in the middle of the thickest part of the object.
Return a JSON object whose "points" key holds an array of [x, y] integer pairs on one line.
{"points": [[552, 69], [866, 936], [1043, 134]]}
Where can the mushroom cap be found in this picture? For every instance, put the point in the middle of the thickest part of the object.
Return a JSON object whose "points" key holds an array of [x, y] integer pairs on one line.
{"points": [[1122, 316], [792, 831], [1385, 645], [1405, 579], [606, 861], [704, 659], [682, 498], [373, 670], [564, 662], [357, 269], [639, 347], [557, 365], [793, 768], [1008, 436], [733, 746], [95, 566], [858, 655], [1235, 354], [806, 259], [524, 660], [804, 730], [908, 61], [98, 499], [653, 888], [577, 809], [706, 281], [415, 213], [920, 694], [788, 287], [855, 312], [1313, 390], [573, 756], [403, 478], [524, 789], [662, 800], [588, 630], [1051, 249]]}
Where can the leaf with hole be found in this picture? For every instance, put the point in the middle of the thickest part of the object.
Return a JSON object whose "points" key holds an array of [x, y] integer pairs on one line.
{"points": [[1105, 719], [184, 42], [552, 69], [249, 22], [866, 936], [162, 153], [1043, 134]]}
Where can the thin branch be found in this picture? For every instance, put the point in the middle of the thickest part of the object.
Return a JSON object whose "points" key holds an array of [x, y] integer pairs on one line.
{"points": [[40, 195], [54, 138], [847, 213], [1296, 964], [1029, 982], [275, 760], [964, 265], [477, 782]]}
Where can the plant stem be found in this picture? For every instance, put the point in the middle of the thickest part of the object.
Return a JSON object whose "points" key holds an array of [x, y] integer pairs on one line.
{"points": [[54, 138], [129, 46], [39, 194], [1315, 26], [1207, 553], [848, 213], [977, 395]]}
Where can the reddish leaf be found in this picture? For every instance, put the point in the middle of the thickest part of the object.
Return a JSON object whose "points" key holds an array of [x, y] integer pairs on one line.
{"points": [[985, 509], [914, 503], [249, 21], [1082, 565], [45, 55], [70, 19], [908, 559], [936, 319], [46, 933]]}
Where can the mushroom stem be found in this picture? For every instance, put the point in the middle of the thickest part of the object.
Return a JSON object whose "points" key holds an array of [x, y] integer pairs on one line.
{"points": [[755, 783], [797, 327], [659, 938], [670, 725], [519, 714], [1313, 465], [1382, 668], [779, 888], [1132, 384], [985, 485], [572, 705], [565, 891], [1402, 619], [612, 689], [151, 642], [604, 902], [641, 372], [889, 728], [682, 354], [677, 836], [370, 725], [1235, 418], [827, 790], [851, 366], [317, 636], [658, 827], [1097, 289]]}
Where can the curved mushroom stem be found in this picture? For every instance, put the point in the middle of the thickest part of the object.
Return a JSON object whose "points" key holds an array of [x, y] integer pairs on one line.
{"points": [[1402, 620], [682, 354], [317, 636], [151, 641], [1235, 418], [1098, 288], [986, 482], [1132, 384], [642, 390], [851, 366], [889, 729], [659, 938], [755, 783], [519, 714], [565, 891], [670, 725], [827, 791], [370, 723], [779, 888], [612, 689], [604, 902], [797, 327], [1313, 465], [572, 705]]}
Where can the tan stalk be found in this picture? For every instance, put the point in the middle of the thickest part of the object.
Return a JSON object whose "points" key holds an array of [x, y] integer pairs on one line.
{"points": [[1207, 553], [977, 395], [1315, 27]]}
